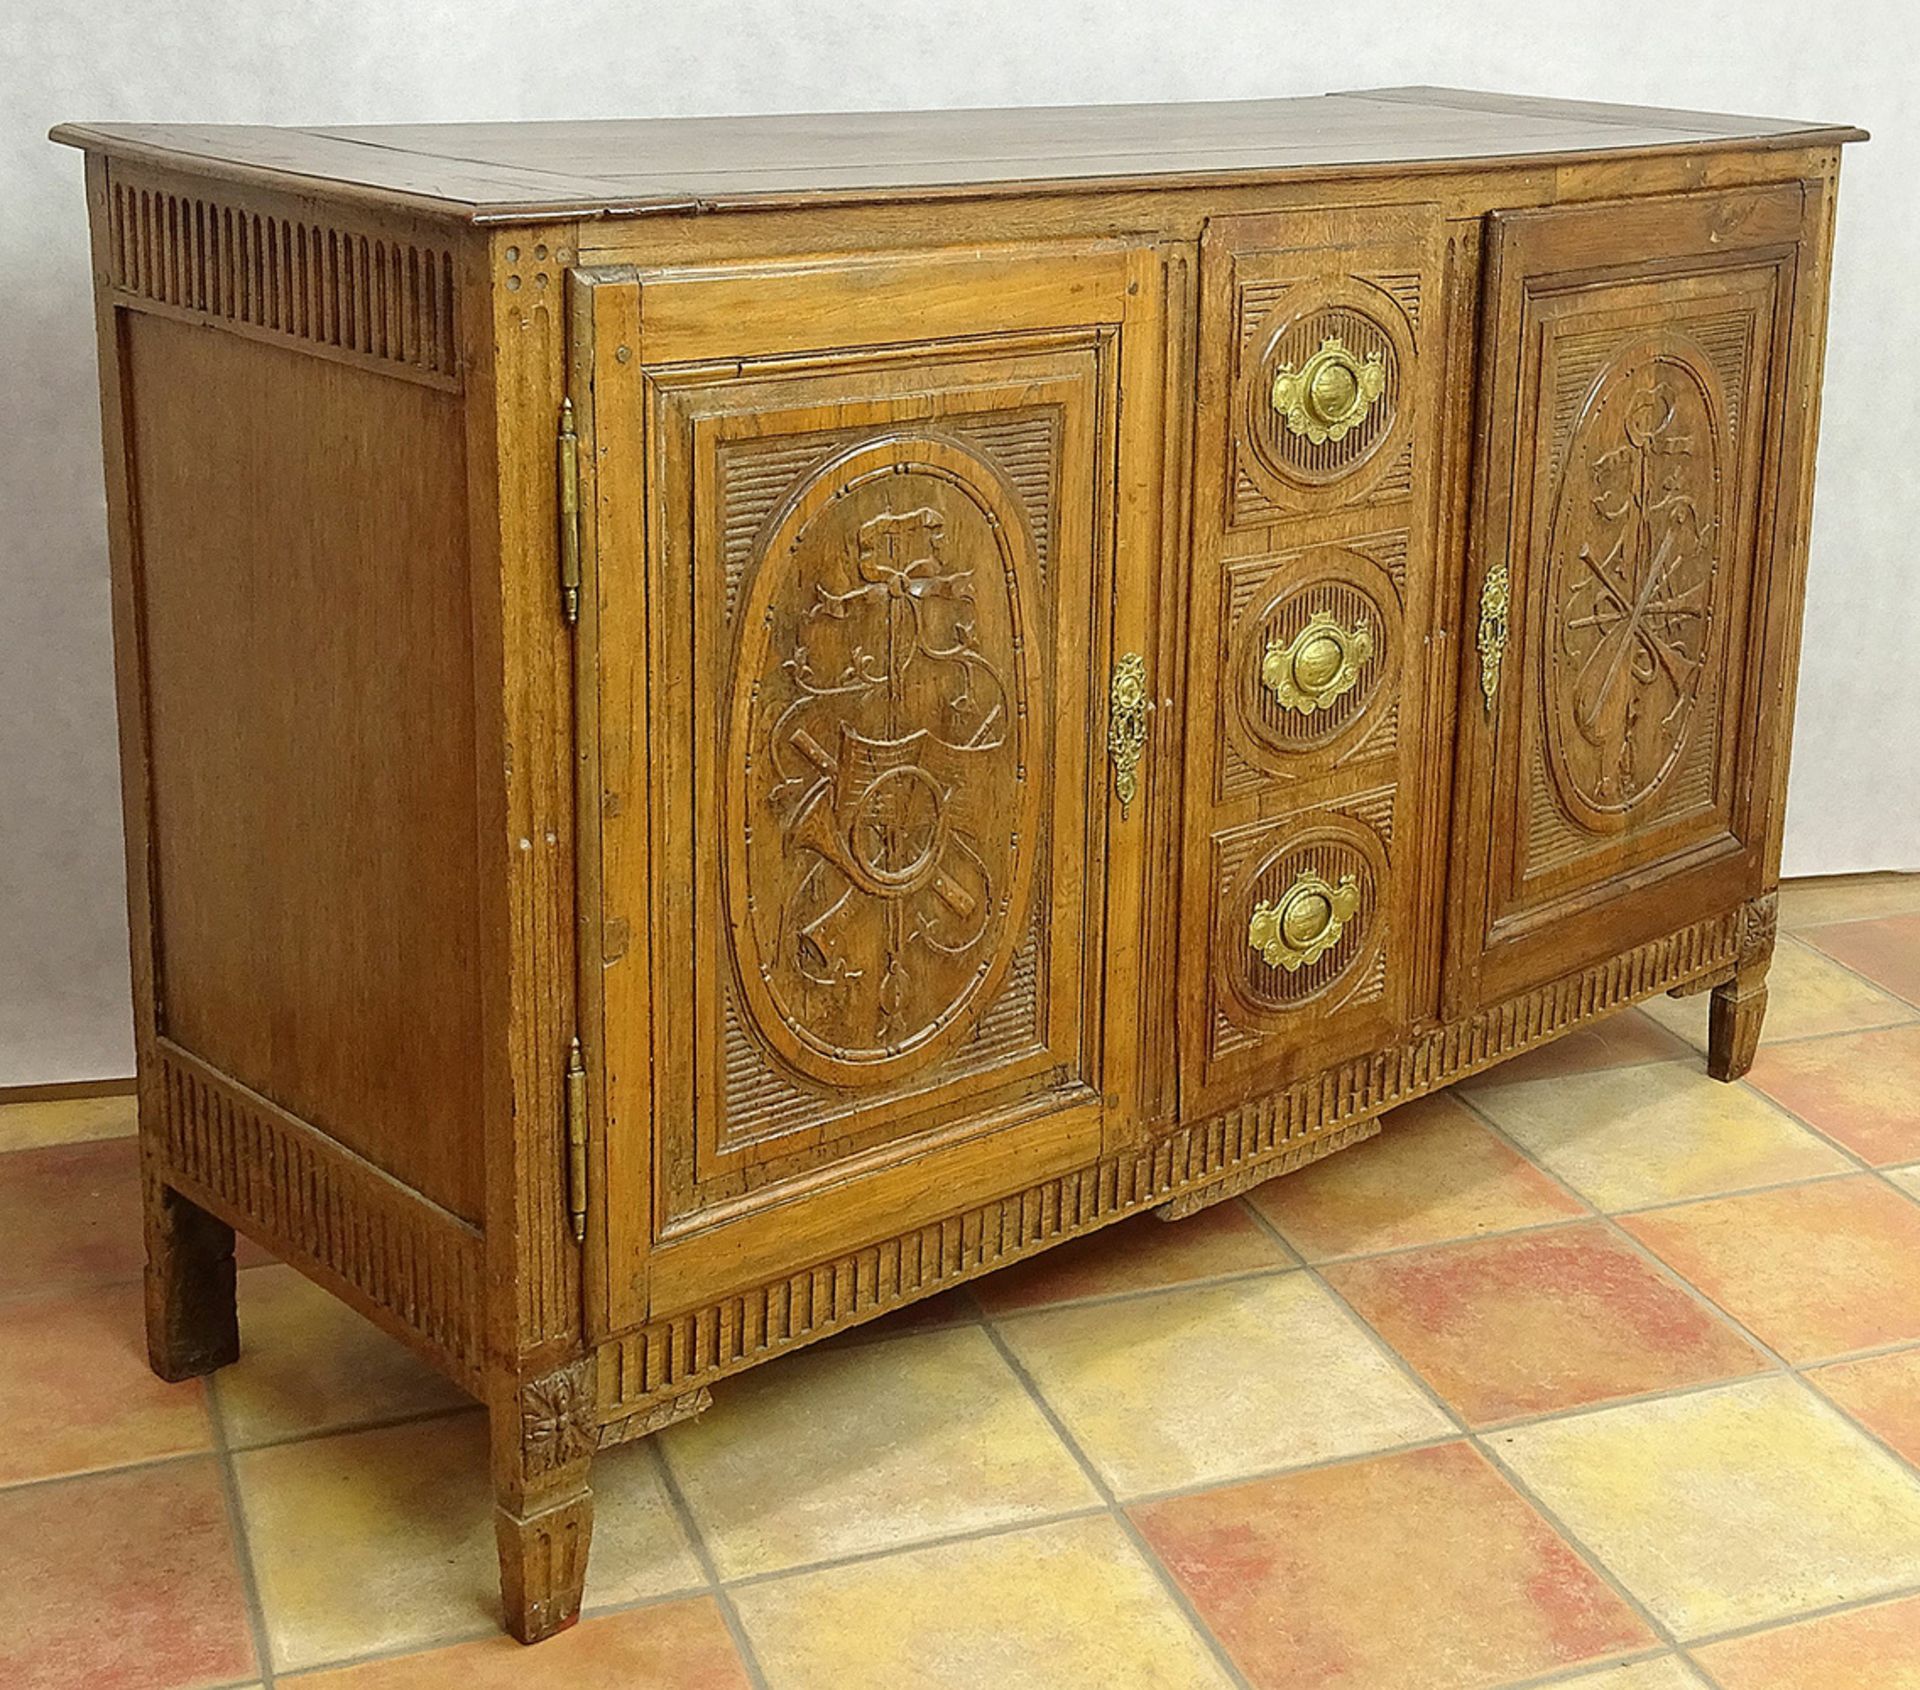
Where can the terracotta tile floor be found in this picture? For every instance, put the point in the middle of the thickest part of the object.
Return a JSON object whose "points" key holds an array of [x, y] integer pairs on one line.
{"points": [[1590, 1372]]}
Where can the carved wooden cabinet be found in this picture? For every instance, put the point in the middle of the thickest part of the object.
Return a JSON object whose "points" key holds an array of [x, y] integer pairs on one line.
{"points": [[727, 724]]}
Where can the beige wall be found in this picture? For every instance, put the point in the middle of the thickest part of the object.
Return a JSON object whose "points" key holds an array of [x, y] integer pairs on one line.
{"points": [[63, 1014]]}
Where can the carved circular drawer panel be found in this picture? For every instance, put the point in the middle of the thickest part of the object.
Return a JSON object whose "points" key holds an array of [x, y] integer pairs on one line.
{"points": [[1634, 550], [1314, 661], [882, 771], [1301, 923], [1323, 402]]}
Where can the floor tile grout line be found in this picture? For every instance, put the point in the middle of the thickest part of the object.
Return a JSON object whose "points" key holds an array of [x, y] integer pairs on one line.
{"points": [[1474, 1441], [1584, 1671], [1490, 1079], [352, 1428], [1852, 1605], [1673, 1276], [1286, 1470], [1614, 1582], [1882, 1173], [288, 1677], [715, 1586], [1859, 974], [1141, 1293], [242, 1537], [913, 1546], [94, 1287], [1368, 1256], [147, 1464], [1182, 1602]]}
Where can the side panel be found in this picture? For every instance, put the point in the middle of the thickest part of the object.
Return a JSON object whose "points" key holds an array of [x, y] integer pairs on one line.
{"points": [[285, 411], [1637, 396], [303, 598]]}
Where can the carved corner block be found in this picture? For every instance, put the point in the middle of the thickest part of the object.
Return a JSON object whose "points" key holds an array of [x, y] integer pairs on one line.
{"points": [[1759, 927], [558, 1428]]}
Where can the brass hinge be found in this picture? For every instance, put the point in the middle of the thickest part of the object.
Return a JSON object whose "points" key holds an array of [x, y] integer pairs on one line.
{"points": [[577, 1140], [569, 473]]}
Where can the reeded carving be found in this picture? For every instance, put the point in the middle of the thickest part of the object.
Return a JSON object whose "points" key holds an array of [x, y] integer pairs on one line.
{"points": [[328, 1208], [362, 292], [557, 1422], [881, 761], [1633, 558]]}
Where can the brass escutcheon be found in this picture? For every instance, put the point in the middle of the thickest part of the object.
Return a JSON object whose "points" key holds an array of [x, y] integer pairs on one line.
{"points": [[1495, 592], [1317, 665], [1330, 393], [1305, 924], [1127, 707]]}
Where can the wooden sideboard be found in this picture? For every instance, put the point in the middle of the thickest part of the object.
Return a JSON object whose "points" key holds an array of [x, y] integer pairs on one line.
{"points": [[728, 724]]}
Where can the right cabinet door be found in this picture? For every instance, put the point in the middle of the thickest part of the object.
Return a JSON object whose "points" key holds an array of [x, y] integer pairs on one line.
{"points": [[1628, 589]]}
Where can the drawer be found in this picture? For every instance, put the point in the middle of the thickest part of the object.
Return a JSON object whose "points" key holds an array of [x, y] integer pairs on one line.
{"points": [[1306, 778]]}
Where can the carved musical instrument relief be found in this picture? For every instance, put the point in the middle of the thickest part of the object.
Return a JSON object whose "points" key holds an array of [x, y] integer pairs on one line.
{"points": [[1633, 558], [884, 765]]}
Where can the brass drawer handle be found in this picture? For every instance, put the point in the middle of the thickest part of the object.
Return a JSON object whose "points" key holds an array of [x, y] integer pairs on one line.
{"points": [[1127, 707], [1305, 924], [1320, 663], [1330, 393]]}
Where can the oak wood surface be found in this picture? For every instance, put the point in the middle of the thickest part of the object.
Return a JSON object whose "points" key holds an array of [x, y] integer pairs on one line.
{"points": [[638, 165], [812, 835], [310, 736]]}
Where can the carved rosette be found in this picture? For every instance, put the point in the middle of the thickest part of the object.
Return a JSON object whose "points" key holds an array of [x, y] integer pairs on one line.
{"points": [[558, 1425], [1759, 926], [1633, 555], [882, 770]]}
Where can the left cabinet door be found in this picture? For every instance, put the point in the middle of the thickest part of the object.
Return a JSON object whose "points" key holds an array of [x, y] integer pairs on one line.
{"points": [[844, 658]]}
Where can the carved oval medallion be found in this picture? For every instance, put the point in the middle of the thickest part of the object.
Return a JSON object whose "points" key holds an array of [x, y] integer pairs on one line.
{"points": [[1345, 354], [883, 798], [1314, 663], [1633, 553]]}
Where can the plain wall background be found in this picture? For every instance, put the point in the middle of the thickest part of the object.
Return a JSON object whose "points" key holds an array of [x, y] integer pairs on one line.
{"points": [[1855, 797]]}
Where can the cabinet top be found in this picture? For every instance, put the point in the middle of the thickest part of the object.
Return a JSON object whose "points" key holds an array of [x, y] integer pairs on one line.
{"points": [[505, 172]]}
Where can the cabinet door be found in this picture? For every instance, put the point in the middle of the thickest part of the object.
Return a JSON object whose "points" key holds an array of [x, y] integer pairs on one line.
{"points": [[852, 602], [1306, 783], [1617, 746]]}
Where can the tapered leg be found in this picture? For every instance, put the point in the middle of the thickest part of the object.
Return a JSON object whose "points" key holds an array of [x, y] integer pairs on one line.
{"points": [[1733, 1026], [543, 1441], [192, 1325], [1739, 1005]]}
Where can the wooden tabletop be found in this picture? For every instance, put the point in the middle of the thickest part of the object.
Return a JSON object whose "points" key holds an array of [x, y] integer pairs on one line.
{"points": [[491, 172]]}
